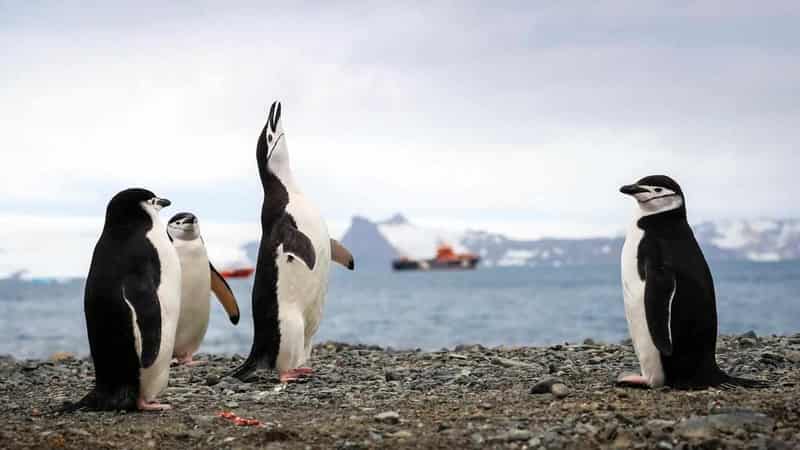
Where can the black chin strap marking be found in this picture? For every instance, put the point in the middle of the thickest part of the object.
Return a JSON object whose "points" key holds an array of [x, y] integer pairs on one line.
{"points": [[660, 196]]}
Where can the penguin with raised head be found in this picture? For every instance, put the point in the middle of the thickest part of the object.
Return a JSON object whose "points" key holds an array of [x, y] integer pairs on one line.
{"points": [[669, 295], [294, 257], [132, 301], [198, 279]]}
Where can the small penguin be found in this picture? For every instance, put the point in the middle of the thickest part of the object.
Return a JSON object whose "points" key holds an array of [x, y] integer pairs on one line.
{"points": [[198, 279], [669, 295], [294, 257], [132, 301]]}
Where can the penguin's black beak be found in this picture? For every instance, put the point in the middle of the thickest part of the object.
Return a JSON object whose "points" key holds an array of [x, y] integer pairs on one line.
{"points": [[162, 202], [632, 189]]}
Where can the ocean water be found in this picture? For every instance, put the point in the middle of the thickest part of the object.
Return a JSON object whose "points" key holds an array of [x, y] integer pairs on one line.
{"points": [[519, 306]]}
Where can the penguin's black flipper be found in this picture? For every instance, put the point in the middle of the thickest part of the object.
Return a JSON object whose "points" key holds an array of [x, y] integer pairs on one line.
{"points": [[224, 294], [342, 255], [294, 241], [660, 287], [139, 291]]}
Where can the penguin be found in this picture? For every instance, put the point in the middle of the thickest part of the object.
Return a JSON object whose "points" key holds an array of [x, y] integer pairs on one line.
{"points": [[131, 302], [198, 279], [668, 289], [294, 255]]}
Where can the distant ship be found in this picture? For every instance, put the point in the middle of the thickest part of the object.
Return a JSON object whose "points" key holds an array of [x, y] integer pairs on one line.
{"points": [[445, 259]]}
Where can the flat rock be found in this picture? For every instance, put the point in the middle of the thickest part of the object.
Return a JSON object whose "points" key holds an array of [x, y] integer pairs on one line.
{"points": [[545, 385], [706, 427], [391, 417]]}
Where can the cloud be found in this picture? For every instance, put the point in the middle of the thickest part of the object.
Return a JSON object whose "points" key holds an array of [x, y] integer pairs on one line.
{"points": [[524, 115]]}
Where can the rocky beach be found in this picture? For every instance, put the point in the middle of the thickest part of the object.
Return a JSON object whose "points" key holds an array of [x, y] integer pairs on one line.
{"points": [[557, 397]]}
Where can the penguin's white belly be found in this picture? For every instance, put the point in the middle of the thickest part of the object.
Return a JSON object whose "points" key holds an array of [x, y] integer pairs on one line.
{"points": [[195, 296], [154, 379], [633, 292], [301, 292]]}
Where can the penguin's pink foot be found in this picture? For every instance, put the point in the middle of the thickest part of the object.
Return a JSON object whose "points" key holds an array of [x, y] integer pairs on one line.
{"points": [[633, 380], [144, 405], [294, 374], [186, 360]]}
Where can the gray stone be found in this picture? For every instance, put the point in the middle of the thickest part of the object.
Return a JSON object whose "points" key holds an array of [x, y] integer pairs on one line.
{"points": [[512, 436], [511, 363], [393, 375], [792, 355], [402, 434], [660, 425], [545, 385], [747, 342], [390, 417], [79, 432], [706, 427], [559, 390]]}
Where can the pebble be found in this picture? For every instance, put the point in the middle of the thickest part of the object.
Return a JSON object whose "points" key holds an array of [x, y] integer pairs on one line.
{"points": [[706, 427], [545, 385], [392, 375], [402, 434], [559, 390], [512, 436], [390, 417]]}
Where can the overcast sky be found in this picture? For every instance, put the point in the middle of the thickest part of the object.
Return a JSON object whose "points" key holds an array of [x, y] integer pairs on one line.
{"points": [[520, 117]]}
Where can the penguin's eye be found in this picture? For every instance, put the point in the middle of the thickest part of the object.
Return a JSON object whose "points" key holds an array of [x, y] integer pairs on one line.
{"points": [[658, 189], [269, 138]]}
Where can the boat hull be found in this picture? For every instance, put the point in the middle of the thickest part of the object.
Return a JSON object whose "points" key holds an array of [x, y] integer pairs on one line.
{"points": [[433, 264]]}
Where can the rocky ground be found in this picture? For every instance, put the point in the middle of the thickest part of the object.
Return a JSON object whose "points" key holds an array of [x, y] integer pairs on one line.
{"points": [[469, 397]]}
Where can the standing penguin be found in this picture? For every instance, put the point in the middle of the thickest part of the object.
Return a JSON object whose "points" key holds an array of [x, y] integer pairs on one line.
{"points": [[669, 293], [198, 279], [294, 257], [132, 301]]}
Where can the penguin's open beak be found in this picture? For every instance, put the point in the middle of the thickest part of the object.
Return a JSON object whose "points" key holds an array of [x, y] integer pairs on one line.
{"points": [[632, 189]]}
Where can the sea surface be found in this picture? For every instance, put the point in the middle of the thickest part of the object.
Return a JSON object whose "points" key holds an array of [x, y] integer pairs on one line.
{"points": [[431, 310]]}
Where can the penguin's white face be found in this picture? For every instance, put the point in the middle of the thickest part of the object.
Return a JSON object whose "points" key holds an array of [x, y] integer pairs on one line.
{"points": [[653, 199], [277, 150], [184, 226]]}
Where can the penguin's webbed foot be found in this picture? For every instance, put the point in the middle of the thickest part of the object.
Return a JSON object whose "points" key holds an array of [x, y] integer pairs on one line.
{"points": [[144, 405], [295, 374], [633, 380]]}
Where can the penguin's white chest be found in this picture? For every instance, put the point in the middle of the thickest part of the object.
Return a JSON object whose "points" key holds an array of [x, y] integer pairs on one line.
{"points": [[633, 293], [154, 379], [195, 296], [301, 292]]}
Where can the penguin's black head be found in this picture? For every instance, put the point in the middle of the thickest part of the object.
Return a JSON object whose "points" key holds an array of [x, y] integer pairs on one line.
{"points": [[656, 194], [183, 226], [134, 207], [271, 146]]}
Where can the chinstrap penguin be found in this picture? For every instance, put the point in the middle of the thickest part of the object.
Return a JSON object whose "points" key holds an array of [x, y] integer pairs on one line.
{"points": [[294, 257], [198, 279], [669, 295], [132, 301]]}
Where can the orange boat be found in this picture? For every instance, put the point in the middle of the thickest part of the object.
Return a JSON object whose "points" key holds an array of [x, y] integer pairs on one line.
{"points": [[243, 272], [446, 258]]}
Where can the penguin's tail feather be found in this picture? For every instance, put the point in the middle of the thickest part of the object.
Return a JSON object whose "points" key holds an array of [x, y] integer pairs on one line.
{"points": [[728, 382], [88, 401], [247, 367]]}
